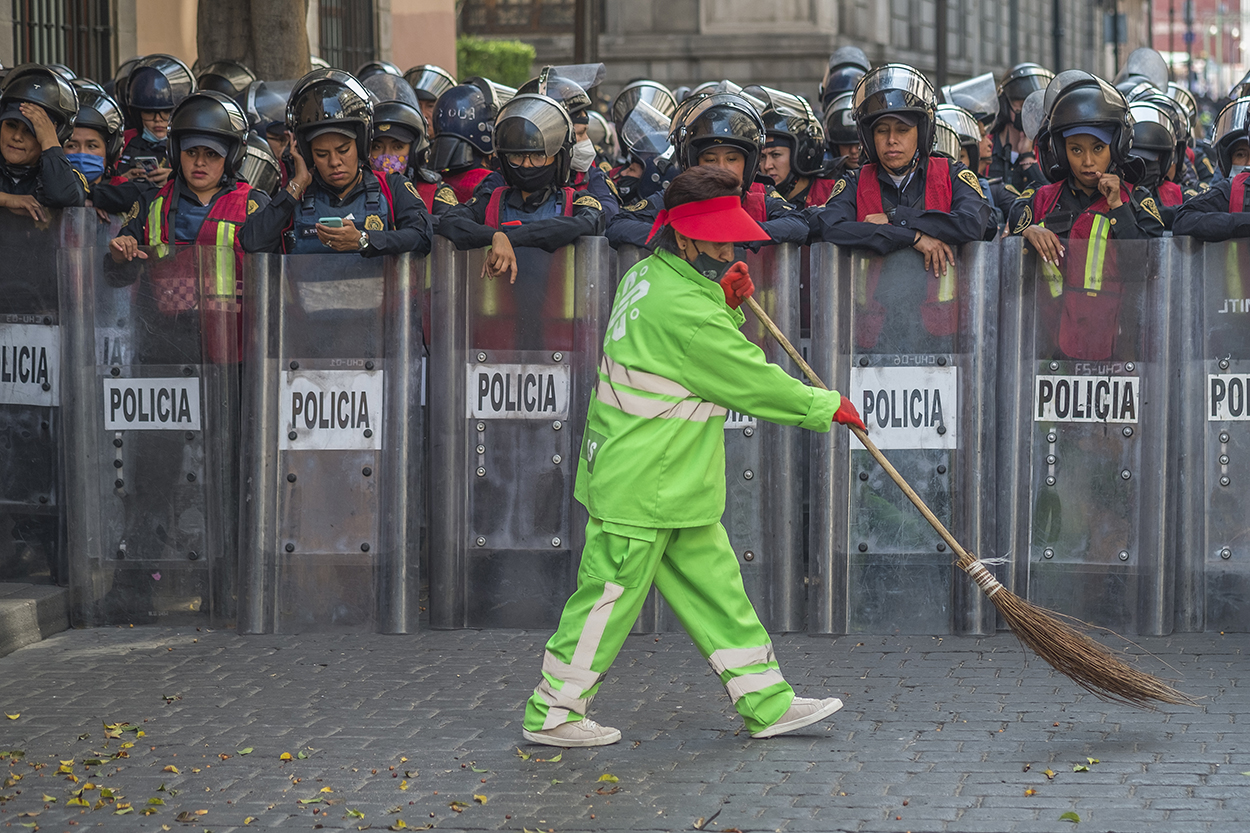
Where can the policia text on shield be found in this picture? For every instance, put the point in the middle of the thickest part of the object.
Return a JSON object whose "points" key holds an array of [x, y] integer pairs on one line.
{"points": [[651, 473]]}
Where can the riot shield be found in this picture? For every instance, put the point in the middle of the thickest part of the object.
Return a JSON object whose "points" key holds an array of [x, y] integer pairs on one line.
{"points": [[511, 370], [916, 354], [1084, 441], [31, 486], [1213, 551], [765, 464], [152, 389], [333, 458]]}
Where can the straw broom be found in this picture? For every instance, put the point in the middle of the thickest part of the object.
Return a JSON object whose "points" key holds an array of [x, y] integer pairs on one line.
{"points": [[1089, 664]]}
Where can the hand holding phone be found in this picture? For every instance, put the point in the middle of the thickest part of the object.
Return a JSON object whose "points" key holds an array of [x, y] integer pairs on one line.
{"points": [[331, 222], [148, 163]]}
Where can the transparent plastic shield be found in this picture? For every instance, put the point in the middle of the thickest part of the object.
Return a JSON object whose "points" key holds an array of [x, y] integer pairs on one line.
{"points": [[978, 95], [152, 524], [645, 130], [334, 455], [386, 87], [512, 365], [915, 353], [1033, 114], [31, 443], [1087, 448], [586, 76]]}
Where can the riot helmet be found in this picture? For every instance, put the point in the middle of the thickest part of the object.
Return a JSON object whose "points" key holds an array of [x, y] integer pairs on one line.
{"points": [[1033, 114], [717, 120], [534, 124], [895, 90], [330, 100], [840, 126], [790, 119], [645, 134], [599, 132], [945, 141], [212, 116], [429, 81], [157, 83], [1083, 102], [568, 85], [1230, 128], [655, 94], [847, 65], [1143, 65], [503, 93], [264, 104], [116, 86], [63, 71], [1186, 100], [36, 84], [370, 68], [397, 113], [259, 167], [98, 110], [464, 127], [966, 129], [1022, 80], [1180, 122], [1153, 137], [226, 77], [978, 95], [681, 93]]}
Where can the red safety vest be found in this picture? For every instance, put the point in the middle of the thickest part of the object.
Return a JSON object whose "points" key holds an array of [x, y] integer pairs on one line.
{"points": [[1170, 193], [1088, 284], [939, 312], [465, 182], [1237, 194], [819, 192], [496, 198], [427, 190], [753, 203]]}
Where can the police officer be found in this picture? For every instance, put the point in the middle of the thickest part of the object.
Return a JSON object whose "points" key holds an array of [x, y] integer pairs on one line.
{"points": [[400, 144], [1013, 164], [331, 117], [37, 111], [647, 165], [846, 66], [841, 136], [794, 147], [226, 77], [154, 87], [260, 168], [903, 196], [1201, 159], [429, 82], [264, 103], [1154, 148], [725, 130], [1219, 213], [969, 140], [463, 127], [95, 146]]}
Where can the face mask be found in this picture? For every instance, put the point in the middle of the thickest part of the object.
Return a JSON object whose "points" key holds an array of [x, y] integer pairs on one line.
{"points": [[1153, 175], [87, 164], [1238, 169], [583, 155], [390, 163], [709, 267], [532, 179], [150, 137]]}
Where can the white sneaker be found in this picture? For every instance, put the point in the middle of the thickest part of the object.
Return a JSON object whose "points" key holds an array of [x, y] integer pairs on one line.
{"points": [[804, 711], [584, 732]]}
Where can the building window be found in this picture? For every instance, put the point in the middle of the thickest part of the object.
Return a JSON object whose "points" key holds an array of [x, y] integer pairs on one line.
{"points": [[517, 17], [77, 33], [347, 38]]}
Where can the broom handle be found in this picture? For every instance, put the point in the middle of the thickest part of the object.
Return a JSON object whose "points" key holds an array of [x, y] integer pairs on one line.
{"points": [[964, 558]]}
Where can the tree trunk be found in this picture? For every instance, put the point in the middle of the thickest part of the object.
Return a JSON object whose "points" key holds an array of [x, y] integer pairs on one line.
{"points": [[268, 36]]}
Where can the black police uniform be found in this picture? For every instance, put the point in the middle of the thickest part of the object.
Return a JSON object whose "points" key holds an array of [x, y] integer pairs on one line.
{"points": [[254, 236], [465, 224], [968, 220], [633, 225], [1205, 215], [594, 182], [1136, 219], [53, 180], [1010, 179]]}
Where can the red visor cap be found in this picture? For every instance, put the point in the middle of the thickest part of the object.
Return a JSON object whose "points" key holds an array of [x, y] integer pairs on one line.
{"points": [[718, 220]]}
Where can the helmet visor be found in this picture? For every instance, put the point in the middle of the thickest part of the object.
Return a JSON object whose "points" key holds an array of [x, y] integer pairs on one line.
{"points": [[531, 124], [385, 87], [645, 130], [430, 80], [893, 77], [1232, 120], [979, 96]]}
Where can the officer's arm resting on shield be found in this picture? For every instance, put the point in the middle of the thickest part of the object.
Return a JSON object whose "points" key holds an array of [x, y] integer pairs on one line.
{"points": [[1136, 219], [785, 223], [58, 184], [601, 188], [632, 225], [413, 231], [964, 223], [465, 225], [1205, 216], [837, 223], [261, 231], [115, 198]]}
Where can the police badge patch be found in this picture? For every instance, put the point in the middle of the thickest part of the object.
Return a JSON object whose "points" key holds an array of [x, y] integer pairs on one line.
{"points": [[838, 187], [412, 189], [586, 199], [444, 194], [1026, 220], [970, 179], [252, 207], [638, 206], [1148, 205], [374, 223]]}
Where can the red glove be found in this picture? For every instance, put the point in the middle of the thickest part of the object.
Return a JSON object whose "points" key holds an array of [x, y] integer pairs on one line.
{"points": [[847, 415], [737, 284]]}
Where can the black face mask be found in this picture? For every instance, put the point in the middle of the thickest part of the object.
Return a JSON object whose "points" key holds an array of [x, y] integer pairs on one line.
{"points": [[1153, 175], [627, 187], [709, 267], [532, 179]]}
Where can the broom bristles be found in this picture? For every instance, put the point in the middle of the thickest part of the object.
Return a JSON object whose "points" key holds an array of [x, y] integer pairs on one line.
{"points": [[1091, 665]]}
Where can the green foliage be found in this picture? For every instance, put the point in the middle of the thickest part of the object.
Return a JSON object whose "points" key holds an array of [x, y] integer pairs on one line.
{"points": [[505, 61]]}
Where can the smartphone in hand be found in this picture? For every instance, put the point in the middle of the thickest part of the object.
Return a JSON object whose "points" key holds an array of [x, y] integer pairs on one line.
{"points": [[331, 222], [148, 163]]}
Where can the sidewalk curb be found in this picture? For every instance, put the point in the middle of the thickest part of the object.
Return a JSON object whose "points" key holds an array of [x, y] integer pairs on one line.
{"points": [[30, 613]]}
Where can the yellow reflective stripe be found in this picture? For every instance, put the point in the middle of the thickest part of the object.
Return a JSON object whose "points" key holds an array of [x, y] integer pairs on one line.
{"points": [[1051, 274], [946, 285], [1232, 271], [155, 227], [224, 273], [1096, 253]]}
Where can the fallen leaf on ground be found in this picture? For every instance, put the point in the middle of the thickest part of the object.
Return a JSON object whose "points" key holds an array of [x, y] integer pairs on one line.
{"points": [[458, 806], [480, 799], [1030, 791], [1080, 768], [285, 756], [478, 769], [12, 716], [49, 799], [609, 777], [1049, 773], [524, 756], [247, 751], [171, 768], [1070, 816], [354, 814]]}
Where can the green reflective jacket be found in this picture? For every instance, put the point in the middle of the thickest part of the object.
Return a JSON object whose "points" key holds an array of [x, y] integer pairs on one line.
{"points": [[674, 360]]}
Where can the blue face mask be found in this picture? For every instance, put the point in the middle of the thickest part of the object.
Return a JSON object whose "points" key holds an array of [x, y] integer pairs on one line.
{"points": [[150, 137], [87, 164]]}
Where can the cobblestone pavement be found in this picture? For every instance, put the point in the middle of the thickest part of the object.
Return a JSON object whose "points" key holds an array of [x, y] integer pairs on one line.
{"points": [[938, 734]]}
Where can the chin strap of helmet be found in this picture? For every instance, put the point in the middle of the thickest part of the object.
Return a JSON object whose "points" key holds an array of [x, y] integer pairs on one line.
{"points": [[905, 169]]}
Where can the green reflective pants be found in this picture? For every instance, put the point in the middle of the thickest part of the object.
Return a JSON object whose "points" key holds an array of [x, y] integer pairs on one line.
{"points": [[696, 571]]}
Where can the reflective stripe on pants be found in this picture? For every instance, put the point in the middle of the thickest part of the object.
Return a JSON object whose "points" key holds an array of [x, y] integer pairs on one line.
{"points": [[697, 572]]}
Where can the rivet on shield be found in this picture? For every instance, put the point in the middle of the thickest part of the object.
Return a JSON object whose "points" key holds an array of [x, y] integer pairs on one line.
{"points": [[290, 548], [47, 320], [556, 458], [368, 433], [1223, 364], [748, 556], [748, 431], [863, 548], [1130, 367], [186, 371], [119, 483], [366, 471], [190, 477], [941, 469], [481, 472], [941, 548], [117, 442], [748, 475], [1050, 459], [291, 435], [481, 449], [941, 429], [555, 542], [43, 498], [941, 361], [481, 426], [863, 361], [290, 478], [1050, 480], [481, 357], [1224, 481], [481, 542], [1054, 365], [369, 365], [190, 435], [117, 464], [1048, 553], [1128, 431], [557, 425], [1052, 437], [557, 357], [364, 547], [1223, 459], [1126, 475], [47, 386], [295, 365], [1226, 553], [193, 556], [1124, 555], [1224, 436], [863, 475], [115, 371]]}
